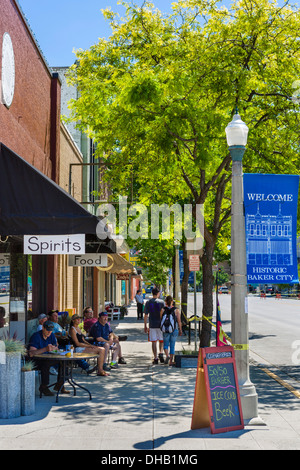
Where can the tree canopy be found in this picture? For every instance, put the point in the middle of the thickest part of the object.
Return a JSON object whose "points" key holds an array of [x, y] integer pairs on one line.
{"points": [[158, 94]]}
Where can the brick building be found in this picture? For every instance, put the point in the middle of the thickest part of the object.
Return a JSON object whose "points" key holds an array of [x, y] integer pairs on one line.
{"points": [[30, 127], [35, 151]]}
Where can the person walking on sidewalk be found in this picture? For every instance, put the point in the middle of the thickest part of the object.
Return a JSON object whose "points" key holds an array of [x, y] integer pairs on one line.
{"points": [[171, 327], [140, 303], [152, 310]]}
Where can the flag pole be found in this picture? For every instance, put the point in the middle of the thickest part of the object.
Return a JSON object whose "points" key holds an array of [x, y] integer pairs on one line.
{"points": [[217, 288]]}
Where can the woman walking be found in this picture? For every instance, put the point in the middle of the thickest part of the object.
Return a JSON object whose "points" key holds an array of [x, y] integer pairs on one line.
{"points": [[171, 327]]}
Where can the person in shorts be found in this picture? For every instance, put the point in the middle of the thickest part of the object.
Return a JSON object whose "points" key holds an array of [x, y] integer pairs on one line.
{"points": [[82, 346], [104, 337], [152, 311]]}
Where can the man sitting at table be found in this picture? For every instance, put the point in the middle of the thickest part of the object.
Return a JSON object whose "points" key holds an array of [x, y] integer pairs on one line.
{"points": [[42, 342], [59, 332], [88, 319], [103, 336]]}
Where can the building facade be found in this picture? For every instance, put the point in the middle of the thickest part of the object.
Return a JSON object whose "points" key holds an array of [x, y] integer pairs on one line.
{"points": [[98, 286], [30, 127], [36, 153]]}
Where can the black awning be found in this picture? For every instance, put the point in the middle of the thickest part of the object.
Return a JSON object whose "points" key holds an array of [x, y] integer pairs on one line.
{"points": [[32, 204]]}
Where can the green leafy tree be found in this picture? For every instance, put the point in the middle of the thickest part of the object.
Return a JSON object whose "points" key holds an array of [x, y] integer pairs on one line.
{"points": [[155, 257], [157, 96]]}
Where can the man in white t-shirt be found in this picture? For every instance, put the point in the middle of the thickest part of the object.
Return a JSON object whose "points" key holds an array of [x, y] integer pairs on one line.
{"points": [[152, 310]]}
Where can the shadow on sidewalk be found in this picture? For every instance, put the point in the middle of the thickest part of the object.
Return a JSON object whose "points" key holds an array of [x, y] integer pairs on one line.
{"points": [[196, 434]]}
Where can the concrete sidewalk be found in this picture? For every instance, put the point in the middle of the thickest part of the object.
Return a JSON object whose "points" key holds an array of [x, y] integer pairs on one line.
{"points": [[146, 407]]}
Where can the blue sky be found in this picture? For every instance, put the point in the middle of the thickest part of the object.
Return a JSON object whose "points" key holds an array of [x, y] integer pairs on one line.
{"points": [[60, 26]]}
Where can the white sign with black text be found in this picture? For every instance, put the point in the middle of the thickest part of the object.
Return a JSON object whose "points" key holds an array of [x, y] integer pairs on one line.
{"points": [[54, 244], [89, 260], [194, 263]]}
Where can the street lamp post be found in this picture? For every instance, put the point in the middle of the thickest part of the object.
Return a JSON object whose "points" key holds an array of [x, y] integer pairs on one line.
{"points": [[177, 273], [236, 134]]}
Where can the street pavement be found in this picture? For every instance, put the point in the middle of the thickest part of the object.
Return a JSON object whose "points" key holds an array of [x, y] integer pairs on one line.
{"points": [[145, 407]]}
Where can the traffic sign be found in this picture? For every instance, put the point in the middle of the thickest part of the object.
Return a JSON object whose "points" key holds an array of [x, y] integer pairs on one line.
{"points": [[194, 263]]}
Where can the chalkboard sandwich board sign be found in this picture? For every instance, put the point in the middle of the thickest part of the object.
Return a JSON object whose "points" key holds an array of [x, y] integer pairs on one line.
{"points": [[217, 398], [222, 389]]}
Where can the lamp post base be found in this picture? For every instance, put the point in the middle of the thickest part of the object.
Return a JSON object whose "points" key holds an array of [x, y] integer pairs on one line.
{"points": [[249, 402]]}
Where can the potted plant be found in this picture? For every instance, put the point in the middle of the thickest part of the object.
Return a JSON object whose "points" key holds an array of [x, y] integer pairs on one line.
{"points": [[28, 388], [186, 359], [123, 311], [10, 379]]}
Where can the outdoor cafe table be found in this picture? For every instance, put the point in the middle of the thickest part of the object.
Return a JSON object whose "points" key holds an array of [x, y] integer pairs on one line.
{"points": [[66, 365]]}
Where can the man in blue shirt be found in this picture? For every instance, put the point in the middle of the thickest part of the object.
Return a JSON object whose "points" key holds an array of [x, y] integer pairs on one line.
{"points": [[103, 335], [42, 342]]}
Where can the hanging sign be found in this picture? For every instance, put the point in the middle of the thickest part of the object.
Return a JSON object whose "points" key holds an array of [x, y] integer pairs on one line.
{"points": [[271, 228], [217, 398], [122, 277], [54, 244], [89, 260]]}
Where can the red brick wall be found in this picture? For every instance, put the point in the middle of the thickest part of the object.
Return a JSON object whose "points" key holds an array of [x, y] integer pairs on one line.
{"points": [[26, 126], [31, 126]]}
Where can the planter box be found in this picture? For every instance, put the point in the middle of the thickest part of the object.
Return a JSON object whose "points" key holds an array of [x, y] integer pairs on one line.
{"points": [[186, 361], [27, 392], [10, 387]]}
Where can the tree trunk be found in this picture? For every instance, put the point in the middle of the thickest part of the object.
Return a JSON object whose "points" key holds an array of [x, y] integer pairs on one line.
{"points": [[207, 294], [184, 285]]}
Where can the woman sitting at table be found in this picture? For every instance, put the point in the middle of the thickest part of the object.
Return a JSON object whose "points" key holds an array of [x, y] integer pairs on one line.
{"points": [[81, 345]]}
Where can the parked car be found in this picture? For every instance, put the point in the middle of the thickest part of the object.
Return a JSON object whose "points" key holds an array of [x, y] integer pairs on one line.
{"points": [[223, 290], [270, 290]]}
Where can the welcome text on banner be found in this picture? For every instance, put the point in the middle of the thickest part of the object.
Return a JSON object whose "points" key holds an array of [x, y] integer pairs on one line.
{"points": [[271, 228]]}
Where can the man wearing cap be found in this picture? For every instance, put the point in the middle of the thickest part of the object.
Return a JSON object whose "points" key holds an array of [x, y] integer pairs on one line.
{"points": [[42, 342], [103, 335]]}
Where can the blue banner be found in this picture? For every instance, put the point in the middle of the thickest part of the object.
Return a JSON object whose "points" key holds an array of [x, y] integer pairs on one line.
{"points": [[271, 228]]}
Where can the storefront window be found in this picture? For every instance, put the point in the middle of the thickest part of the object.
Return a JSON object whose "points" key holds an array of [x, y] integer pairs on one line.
{"points": [[18, 295], [4, 300], [123, 292], [15, 291], [87, 286]]}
